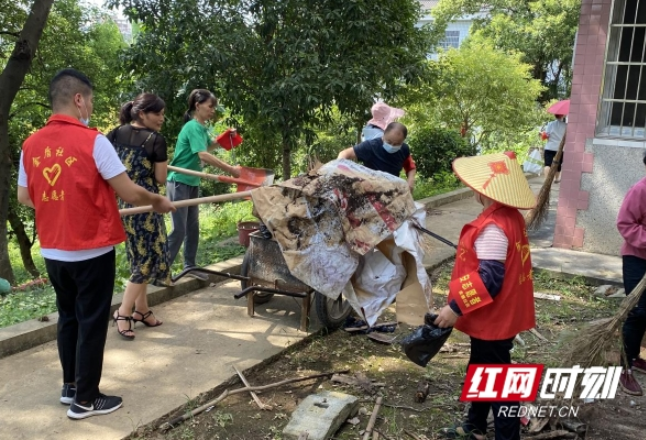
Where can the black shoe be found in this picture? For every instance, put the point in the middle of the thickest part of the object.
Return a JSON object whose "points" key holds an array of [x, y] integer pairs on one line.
{"points": [[67, 394], [98, 407]]}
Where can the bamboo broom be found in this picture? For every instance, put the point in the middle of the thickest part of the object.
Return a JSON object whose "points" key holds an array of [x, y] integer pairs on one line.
{"points": [[590, 345], [535, 218]]}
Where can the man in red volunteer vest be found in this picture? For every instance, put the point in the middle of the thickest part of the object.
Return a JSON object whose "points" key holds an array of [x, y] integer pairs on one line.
{"points": [[491, 289], [69, 174]]}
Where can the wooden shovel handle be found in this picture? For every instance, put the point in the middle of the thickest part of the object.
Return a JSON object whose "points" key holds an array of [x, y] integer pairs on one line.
{"points": [[223, 179], [190, 202]]}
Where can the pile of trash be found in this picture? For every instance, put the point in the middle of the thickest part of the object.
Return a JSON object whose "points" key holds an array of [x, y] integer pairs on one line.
{"points": [[345, 228]]}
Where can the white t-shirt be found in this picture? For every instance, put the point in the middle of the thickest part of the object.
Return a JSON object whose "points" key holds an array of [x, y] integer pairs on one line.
{"points": [[556, 130], [109, 165]]}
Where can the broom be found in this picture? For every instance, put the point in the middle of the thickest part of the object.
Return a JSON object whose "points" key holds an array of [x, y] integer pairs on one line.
{"points": [[589, 347], [535, 218]]}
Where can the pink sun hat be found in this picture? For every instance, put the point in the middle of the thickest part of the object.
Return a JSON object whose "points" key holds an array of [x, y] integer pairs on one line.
{"points": [[383, 114]]}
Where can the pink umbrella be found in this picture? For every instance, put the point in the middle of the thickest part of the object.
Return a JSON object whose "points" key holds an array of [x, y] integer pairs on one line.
{"points": [[560, 108]]}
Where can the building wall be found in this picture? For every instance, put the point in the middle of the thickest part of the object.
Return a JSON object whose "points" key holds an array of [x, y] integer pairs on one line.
{"points": [[615, 169], [587, 181]]}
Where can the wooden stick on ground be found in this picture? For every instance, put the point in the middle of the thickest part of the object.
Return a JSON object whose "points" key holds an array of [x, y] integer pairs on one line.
{"points": [[253, 395], [373, 418], [169, 425], [538, 335], [190, 202]]}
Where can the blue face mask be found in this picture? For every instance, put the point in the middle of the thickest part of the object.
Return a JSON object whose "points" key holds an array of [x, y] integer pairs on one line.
{"points": [[84, 121], [390, 148]]}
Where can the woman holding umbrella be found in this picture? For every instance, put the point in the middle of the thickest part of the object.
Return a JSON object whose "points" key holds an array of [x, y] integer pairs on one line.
{"points": [[554, 132]]}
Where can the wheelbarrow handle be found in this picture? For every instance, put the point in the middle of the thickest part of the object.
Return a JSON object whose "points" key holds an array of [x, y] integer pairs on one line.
{"points": [[435, 236]]}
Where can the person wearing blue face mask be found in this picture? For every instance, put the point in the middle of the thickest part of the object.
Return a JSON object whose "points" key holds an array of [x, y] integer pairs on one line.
{"points": [[388, 153]]}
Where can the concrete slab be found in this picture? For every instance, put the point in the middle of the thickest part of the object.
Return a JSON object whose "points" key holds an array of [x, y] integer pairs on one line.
{"points": [[321, 415], [203, 335]]}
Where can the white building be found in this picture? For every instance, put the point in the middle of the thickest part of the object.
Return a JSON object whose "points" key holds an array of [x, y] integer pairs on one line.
{"points": [[456, 31]]}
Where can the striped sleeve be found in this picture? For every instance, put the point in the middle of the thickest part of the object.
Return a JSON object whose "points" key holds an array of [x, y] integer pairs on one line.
{"points": [[492, 244]]}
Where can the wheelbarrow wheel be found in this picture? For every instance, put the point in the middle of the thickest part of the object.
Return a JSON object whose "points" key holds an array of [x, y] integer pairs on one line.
{"points": [[259, 297], [332, 312]]}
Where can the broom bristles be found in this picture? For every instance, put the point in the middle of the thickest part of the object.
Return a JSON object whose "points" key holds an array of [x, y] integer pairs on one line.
{"points": [[537, 216], [589, 347]]}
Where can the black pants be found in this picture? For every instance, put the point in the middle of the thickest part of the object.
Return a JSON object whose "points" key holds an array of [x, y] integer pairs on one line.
{"points": [[634, 269], [549, 158], [83, 296], [492, 352]]}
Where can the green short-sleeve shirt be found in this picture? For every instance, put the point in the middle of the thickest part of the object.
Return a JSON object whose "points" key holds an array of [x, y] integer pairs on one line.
{"points": [[192, 139]]}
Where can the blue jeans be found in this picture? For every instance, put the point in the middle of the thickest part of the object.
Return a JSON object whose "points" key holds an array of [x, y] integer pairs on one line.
{"points": [[634, 269], [185, 223]]}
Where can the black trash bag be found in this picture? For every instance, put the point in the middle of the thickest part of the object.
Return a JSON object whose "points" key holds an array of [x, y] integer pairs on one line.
{"points": [[425, 341]]}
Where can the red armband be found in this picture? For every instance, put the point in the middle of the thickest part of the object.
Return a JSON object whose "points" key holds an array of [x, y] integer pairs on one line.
{"points": [[469, 292], [409, 164]]}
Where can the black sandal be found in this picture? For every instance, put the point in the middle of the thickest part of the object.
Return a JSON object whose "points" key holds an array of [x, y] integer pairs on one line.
{"points": [[123, 334], [145, 316]]}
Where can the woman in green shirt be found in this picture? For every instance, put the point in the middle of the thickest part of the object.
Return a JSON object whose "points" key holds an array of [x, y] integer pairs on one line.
{"points": [[193, 146]]}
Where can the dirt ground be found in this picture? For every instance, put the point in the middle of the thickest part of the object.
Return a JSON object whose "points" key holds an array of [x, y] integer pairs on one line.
{"points": [[395, 378]]}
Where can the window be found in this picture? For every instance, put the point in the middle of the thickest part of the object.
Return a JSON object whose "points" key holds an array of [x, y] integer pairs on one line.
{"points": [[452, 39], [623, 106]]}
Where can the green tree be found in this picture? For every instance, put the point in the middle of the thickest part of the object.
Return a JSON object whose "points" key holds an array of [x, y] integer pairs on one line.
{"points": [[478, 90], [542, 30], [67, 41], [25, 41], [280, 64]]}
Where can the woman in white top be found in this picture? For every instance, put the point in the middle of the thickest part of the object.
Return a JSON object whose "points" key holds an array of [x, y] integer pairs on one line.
{"points": [[554, 132]]}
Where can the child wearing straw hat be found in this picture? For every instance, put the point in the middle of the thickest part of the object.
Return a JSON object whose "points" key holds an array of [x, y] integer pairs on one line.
{"points": [[491, 289]]}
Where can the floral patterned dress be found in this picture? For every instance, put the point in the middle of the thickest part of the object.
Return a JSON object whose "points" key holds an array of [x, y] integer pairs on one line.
{"points": [[146, 243]]}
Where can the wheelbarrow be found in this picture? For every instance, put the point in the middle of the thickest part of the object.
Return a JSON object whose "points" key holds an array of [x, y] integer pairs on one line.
{"points": [[264, 273]]}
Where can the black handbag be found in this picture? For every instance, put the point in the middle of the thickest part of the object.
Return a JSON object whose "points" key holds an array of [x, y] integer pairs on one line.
{"points": [[425, 341]]}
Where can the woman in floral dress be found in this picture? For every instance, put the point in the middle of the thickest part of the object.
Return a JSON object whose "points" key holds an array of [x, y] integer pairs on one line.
{"points": [[143, 151]]}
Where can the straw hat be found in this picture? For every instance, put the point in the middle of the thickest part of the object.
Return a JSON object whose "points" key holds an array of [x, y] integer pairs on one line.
{"points": [[498, 177], [383, 114]]}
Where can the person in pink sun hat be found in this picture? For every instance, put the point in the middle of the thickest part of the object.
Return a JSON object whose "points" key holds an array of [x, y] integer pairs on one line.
{"points": [[382, 115]]}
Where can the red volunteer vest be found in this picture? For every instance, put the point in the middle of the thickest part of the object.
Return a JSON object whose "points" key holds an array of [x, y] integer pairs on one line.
{"points": [[512, 311], [75, 208]]}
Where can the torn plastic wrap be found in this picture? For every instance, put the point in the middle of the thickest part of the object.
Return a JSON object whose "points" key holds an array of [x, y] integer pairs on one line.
{"points": [[396, 263], [345, 228]]}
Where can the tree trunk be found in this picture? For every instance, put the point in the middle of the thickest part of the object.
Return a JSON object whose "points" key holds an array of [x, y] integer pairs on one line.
{"points": [[287, 158], [11, 79], [25, 244]]}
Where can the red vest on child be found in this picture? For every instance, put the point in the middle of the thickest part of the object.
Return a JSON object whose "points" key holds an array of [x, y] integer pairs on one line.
{"points": [[512, 310], [76, 209]]}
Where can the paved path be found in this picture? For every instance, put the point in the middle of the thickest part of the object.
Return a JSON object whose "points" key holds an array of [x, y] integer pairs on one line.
{"points": [[203, 335]]}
